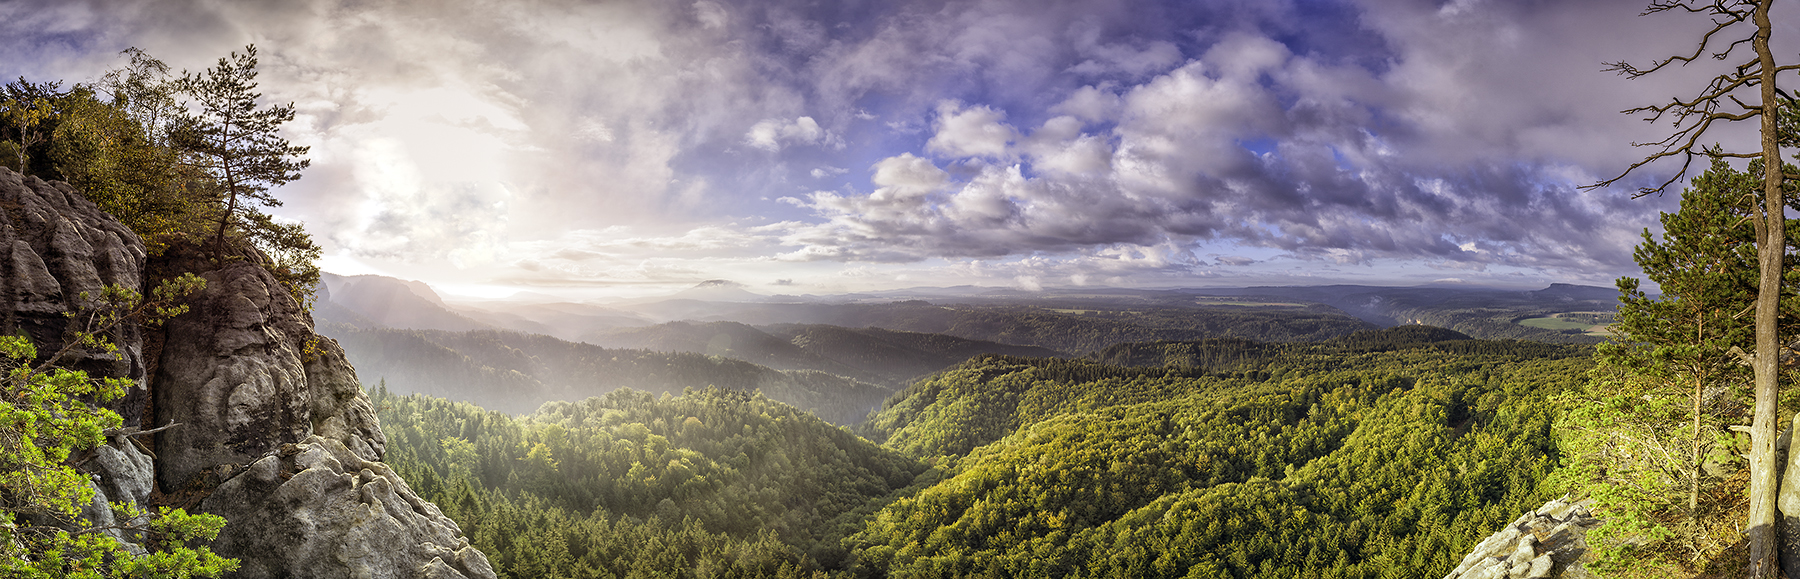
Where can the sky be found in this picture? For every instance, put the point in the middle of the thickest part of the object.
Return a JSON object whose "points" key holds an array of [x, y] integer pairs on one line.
{"points": [[632, 147]]}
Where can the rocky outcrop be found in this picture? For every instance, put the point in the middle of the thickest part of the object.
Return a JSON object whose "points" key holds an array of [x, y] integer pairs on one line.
{"points": [[1787, 500], [274, 432], [321, 507], [244, 373], [280, 439], [1548, 542], [56, 246]]}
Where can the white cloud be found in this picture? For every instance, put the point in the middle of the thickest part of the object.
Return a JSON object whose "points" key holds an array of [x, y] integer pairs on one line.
{"points": [[1004, 128], [1090, 103], [972, 132], [772, 134], [1127, 58], [592, 130]]}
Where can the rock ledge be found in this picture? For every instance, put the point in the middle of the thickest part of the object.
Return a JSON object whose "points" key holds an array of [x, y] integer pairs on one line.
{"points": [[1548, 542]]}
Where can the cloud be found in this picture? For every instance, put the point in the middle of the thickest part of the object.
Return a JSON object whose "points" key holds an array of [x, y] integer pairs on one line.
{"points": [[1063, 137], [772, 134], [1322, 156], [972, 132], [1089, 103]]}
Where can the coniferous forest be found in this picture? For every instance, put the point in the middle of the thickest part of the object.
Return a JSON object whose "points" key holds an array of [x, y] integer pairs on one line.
{"points": [[1336, 460]]}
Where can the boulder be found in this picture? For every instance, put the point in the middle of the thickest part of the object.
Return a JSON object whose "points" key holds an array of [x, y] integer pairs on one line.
{"points": [[125, 473], [319, 509], [121, 474]]}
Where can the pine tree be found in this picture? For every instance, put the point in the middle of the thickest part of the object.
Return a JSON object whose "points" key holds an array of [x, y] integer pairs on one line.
{"points": [[1705, 264], [1743, 89], [235, 142]]}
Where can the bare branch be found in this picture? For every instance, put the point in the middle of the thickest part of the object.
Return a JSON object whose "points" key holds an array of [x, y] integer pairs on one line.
{"points": [[1630, 71], [137, 431]]}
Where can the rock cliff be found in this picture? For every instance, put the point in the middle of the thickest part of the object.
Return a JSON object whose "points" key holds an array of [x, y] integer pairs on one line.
{"points": [[275, 433], [55, 246]]}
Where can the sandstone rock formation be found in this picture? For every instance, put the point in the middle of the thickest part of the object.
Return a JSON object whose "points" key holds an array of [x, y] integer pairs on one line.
{"points": [[319, 506], [55, 246], [1548, 542], [244, 373], [122, 474], [275, 433]]}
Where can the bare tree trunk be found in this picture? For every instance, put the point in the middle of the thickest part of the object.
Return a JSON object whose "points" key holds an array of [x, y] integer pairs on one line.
{"points": [[1764, 481], [1699, 390]]}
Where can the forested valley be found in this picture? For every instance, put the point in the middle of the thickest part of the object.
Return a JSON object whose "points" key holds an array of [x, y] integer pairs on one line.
{"points": [[1390, 453]]}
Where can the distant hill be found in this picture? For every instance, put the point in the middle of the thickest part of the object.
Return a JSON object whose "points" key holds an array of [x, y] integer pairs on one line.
{"points": [[1063, 329], [1484, 313], [726, 339], [514, 372], [719, 290], [892, 356], [1572, 292], [361, 300], [887, 357], [1230, 355], [574, 322]]}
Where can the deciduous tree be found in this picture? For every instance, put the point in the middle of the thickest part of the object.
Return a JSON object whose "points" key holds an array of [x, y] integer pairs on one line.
{"points": [[44, 417], [26, 109]]}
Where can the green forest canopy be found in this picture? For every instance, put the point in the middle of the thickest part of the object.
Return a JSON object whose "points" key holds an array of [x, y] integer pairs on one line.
{"points": [[1334, 461]]}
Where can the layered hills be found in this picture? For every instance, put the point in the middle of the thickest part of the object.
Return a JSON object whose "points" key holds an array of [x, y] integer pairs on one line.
{"points": [[1392, 453], [1172, 433]]}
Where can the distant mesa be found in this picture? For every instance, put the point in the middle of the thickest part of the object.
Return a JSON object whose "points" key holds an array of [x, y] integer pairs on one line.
{"points": [[1571, 292]]}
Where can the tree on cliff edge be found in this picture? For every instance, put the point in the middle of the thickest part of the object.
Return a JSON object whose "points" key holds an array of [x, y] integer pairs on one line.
{"points": [[1746, 90], [235, 142]]}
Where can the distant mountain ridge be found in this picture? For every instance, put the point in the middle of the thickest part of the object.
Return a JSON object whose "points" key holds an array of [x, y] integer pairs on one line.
{"points": [[1483, 313], [516, 373], [389, 302], [876, 355], [841, 359]]}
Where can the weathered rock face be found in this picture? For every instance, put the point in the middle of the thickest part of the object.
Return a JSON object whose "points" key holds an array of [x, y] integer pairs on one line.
{"points": [[244, 373], [55, 246], [1548, 542], [122, 474], [1787, 501], [318, 509], [275, 431]]}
